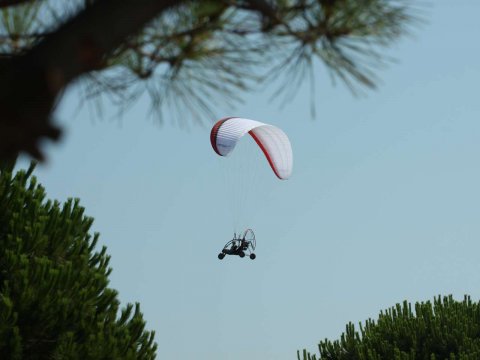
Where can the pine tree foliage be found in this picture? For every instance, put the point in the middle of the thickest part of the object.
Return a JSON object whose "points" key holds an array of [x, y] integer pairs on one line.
{"points": [[55, 302], [443, 330], [189, 56]]}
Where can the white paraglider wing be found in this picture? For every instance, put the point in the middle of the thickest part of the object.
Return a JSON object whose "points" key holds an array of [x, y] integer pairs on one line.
{"points": [[273, 141]]}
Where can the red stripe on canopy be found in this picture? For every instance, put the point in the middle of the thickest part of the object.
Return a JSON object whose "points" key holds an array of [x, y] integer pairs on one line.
{"points": [[214, 133], [267, 155]]}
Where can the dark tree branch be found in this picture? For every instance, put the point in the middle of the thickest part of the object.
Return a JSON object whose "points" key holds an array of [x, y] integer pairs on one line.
{"points": [[31, 83], [268, 12], [263, 7], [8, 3], [190, 43]]}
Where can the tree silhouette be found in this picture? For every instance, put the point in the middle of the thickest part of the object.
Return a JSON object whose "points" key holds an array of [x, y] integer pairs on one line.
{"points": [[55, 302], [182, 53], [444, 329]]}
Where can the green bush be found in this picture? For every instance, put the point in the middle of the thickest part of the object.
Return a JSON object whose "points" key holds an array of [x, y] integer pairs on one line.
{"points": [[444, 330], [54, 297]]}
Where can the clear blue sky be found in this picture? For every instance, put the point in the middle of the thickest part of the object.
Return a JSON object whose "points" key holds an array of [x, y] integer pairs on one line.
{"points": [[383, 204]]}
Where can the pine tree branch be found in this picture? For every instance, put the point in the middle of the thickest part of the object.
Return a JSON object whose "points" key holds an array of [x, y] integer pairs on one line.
{"points": [[8, 3], [268, 12], [30, 84], [345, 35], [263, 7]]}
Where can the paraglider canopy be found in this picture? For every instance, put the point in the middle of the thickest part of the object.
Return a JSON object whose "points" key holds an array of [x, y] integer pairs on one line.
{"points": [[272, 141], [275, 145]]}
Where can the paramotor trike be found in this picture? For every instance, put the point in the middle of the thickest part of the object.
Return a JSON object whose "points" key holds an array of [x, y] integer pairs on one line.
{"points": [[240, 246]]}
